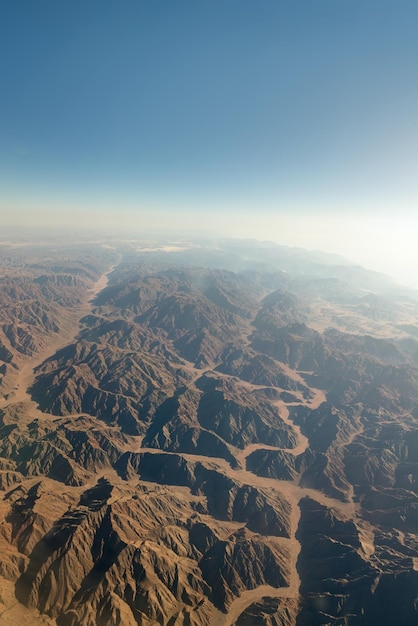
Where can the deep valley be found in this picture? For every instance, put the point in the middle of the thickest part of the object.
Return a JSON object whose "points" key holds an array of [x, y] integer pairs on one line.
{"points": [[216, 434]]}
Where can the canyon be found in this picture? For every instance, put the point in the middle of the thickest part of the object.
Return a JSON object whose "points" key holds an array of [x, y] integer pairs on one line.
{"points": [[205, 433]]}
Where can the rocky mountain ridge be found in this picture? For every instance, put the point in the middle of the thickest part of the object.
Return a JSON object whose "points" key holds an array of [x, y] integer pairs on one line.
{"points": [[224, 442]]}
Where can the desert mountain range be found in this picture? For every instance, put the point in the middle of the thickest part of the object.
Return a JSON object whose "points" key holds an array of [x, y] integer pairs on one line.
{"points": [[205, 434]]}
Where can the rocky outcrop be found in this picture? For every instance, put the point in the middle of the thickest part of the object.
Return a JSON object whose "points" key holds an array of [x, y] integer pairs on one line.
{"points": [[270, 612], [65, 450], [336, 577], [258, 369], [103, 560], [226, 498], [156, 478], [243, 562], [38, 291], [272, 464], [210, 419]]}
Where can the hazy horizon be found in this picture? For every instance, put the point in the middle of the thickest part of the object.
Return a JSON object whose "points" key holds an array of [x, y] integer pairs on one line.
{"points": [[295, 238], [275, 121]]}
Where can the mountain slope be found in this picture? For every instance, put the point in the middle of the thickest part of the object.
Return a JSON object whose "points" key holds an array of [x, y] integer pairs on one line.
{"points": [[222, 435]]}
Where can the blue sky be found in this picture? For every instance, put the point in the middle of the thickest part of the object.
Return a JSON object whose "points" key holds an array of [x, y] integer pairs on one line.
{"points": [[187, 108]]}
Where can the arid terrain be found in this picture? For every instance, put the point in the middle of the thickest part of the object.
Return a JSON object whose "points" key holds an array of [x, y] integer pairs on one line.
{"points": [[206, 434]]}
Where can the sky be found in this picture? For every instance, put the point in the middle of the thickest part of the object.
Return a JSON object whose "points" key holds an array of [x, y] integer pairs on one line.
{"points": [[289, 120]]}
